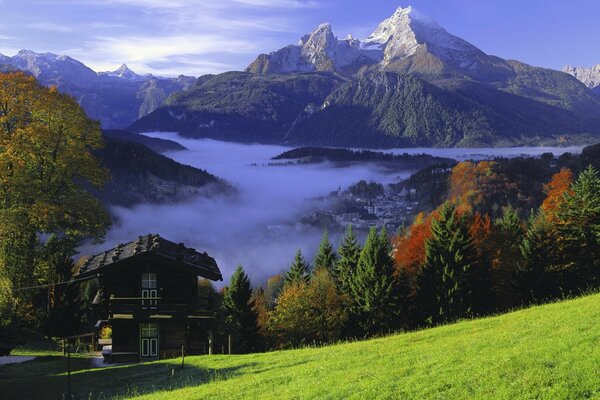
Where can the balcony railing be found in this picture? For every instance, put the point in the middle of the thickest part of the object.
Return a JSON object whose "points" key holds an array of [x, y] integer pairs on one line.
{"points": [[140, 307]]}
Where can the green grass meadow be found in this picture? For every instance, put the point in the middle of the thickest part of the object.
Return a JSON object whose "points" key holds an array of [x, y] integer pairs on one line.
{"points": [[544, 352]]}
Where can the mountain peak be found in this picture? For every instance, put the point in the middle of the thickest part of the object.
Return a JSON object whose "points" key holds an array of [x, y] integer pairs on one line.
{"points": [[322, 32], [407, 30], [123, 72], [589, 76]]}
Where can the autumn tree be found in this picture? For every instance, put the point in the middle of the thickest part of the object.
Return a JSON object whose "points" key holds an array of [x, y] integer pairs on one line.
{"points": [[409, 249], [239, 313], [308, 312], [555, 190], [274, 286], [326, 256], [46, 166], [261, 308]]}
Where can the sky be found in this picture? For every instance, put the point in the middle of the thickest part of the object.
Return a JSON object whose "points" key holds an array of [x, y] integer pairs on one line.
{"points": [[195, 37]]}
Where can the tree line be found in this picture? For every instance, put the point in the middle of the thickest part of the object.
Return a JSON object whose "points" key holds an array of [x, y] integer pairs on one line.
{"points": [[453, 263]]}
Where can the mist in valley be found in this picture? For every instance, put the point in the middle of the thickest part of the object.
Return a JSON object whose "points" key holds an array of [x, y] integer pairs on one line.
{"points": [[259, 227]]}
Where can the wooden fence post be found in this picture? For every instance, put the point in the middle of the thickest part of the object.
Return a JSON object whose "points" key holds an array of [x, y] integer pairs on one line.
{"points": [[229, 342], [182, 356], [69, 373]]}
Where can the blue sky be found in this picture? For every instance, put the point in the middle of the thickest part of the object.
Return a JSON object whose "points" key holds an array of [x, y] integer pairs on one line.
{"points": [[194, 37]]}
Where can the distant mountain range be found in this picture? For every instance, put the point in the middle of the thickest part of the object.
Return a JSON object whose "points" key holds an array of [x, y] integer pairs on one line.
{"points": [[410, 83], [589, 76], [115, 98]]}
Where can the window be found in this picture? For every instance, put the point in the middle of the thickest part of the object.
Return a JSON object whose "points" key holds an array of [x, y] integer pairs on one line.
{"points": [[149, 290], [149, 330], [148, 281]]}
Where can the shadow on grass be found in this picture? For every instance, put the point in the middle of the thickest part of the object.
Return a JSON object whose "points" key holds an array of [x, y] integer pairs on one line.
{"points": [[46, 378]]}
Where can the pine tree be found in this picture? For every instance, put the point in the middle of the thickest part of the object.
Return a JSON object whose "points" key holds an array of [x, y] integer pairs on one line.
{"points": [[540, 259], [349, 253], [326, 257], [239, 313], [579, 231], [298, 270], [444, 283], [507, 259], [373, 292]]}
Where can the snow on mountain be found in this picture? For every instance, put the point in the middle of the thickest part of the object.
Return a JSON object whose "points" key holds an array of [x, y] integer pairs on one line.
{"points": [[408, 30], [122, 72], [589, 76], [405, 34], [115, 98], [320, 50]]}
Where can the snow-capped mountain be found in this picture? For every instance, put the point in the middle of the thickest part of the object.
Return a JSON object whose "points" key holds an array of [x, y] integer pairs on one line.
{"points": [[115, 98], [589, 76], [409, 83], [408, 41], [53, 69], [320, 50], [123, 72]]}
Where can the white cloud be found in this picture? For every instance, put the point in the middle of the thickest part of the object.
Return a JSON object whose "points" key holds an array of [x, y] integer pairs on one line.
{"points": [[49, 26], [166, 37]]}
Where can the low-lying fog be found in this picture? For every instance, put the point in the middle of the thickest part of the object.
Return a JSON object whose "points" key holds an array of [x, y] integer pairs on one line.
{"points": [[259, 227]]}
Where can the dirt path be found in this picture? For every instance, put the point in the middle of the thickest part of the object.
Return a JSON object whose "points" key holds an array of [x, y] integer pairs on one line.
{"points": [[14, 359]]}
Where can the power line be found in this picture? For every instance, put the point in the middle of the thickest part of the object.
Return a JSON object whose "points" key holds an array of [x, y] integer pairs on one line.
{"points": [[54, 284]]}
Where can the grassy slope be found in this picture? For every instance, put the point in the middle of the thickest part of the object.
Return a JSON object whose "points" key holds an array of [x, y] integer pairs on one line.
{"points": [[552, 352]]}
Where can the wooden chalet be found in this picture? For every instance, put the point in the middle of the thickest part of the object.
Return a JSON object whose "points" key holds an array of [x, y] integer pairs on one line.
{"points": [[148, 295]]}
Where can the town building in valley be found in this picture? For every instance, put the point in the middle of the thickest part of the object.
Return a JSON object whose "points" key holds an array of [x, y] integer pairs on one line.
{"points": [[148, 297]]}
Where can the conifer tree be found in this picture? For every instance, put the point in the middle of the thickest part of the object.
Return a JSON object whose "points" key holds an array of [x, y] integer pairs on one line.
{"points": [[444, 283], [298, 270], [579, 231], [507, 259], [540, 259], [239, 313], [349, 252], [373, 293], [326, 256]]}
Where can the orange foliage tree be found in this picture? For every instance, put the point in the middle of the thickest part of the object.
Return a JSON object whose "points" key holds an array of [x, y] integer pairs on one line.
{"points": [[559, 185], [409, 249]]}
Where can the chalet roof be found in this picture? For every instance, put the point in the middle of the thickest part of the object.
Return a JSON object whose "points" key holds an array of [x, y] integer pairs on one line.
{"points": [[205, 265]]}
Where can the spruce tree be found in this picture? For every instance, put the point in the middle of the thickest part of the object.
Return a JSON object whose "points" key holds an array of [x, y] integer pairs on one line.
{"points": [[372, 288], [349, 252], [444, 283], [540, 260], [326, 256], [579, 229], [239, 313], [507, 260], [298, 271]]}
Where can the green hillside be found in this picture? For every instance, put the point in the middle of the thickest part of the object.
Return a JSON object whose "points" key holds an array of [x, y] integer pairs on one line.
{"points": [[545, 352]]}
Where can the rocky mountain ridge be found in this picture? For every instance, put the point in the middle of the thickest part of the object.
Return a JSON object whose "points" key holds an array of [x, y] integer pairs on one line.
{"points": [[116, 98]]}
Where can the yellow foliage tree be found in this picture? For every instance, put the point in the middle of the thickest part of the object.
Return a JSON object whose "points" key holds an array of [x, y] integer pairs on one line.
{"points": [[47, 166]]}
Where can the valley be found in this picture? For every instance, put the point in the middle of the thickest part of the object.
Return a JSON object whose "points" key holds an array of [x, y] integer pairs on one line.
{"points": [[238, 199], [285, 207]]}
